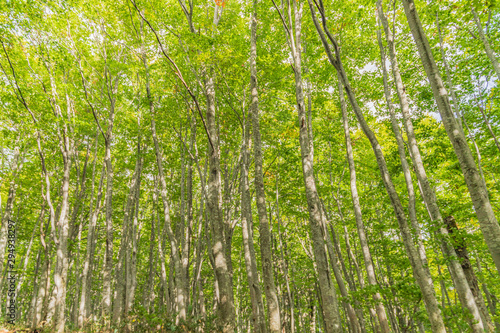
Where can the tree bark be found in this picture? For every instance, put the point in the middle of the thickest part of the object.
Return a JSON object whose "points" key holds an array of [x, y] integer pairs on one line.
{"points": [[454, 98], [123, 264], [477, 189], [353, 322], [179, 279], [428, 193], [273, 309], [108, 265], [257, 318], [329, 303], [132, 253], [424, 282], [365, 249], [219, 246], [282, 245], [84, 309], [461, 250], [486, 43], [66, 147]]}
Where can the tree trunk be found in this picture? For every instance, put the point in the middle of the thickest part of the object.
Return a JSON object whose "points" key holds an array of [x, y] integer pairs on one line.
{"points": [[489, 297], [428, 194], [108, 265], [84, 308], [132, 261], [461, 250], [285, 265], [477, 189], [329, 303], [164, 295], [219, 246], [148, 294], [181, 297], [365, 249], [448, 75], [348, 276], [486, 43], [44, 284], [424, 282], [62, 264], [265, 236], [258, 319], [122, 280]]}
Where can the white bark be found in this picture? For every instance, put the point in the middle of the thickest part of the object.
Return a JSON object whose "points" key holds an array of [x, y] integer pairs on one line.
{"points": [[265, 235], [486, 43], [220, 245], [365, 249], [428, 194], [257, 318], [330, 308], [425, 283], [477, 189]]}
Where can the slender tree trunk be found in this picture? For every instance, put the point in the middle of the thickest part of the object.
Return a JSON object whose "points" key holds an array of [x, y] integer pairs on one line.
{"points": [[186, 246], [80, 193], [476, 147], [258, 318], [454, 98], [28, 251], [183, 232], [61, 269], [365, 249], [164, 296], [462, 253], [44, 284], [265, 236], [477, 189], [181, 297], [348, 276], [486, 43], [428, 194], [398, 311], [329, 303], [488, 125], [424, 282], [62, 263], [108, 264], [350, 312], [148, 294], [84, 308], [36, 287], [285, 265], [219, 246], [401, 145], [489, 297], [132, 261], [122, 280]]}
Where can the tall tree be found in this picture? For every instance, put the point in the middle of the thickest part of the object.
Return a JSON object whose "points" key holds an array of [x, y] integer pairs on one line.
{"points": [[329, 303], [273, 309], [477, 189]]}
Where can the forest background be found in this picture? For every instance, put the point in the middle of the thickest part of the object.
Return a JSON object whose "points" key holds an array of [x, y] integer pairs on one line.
{"points": [[237, 166]]}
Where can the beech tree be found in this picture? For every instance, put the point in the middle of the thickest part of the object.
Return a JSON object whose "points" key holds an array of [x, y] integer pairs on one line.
{"points": [[249, 166]]}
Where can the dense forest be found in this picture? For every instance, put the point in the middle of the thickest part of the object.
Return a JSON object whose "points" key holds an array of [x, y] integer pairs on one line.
{"points": [[250, 166]]}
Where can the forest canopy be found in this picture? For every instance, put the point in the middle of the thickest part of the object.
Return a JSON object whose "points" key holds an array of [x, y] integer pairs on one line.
{"points": [[250, 166]]}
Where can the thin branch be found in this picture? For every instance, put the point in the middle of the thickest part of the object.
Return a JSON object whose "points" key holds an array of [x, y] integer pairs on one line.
{"points": [[176, 71], [282, 19]]}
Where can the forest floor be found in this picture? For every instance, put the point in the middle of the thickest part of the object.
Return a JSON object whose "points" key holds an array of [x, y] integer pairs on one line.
{"points": [[18, 330]]}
